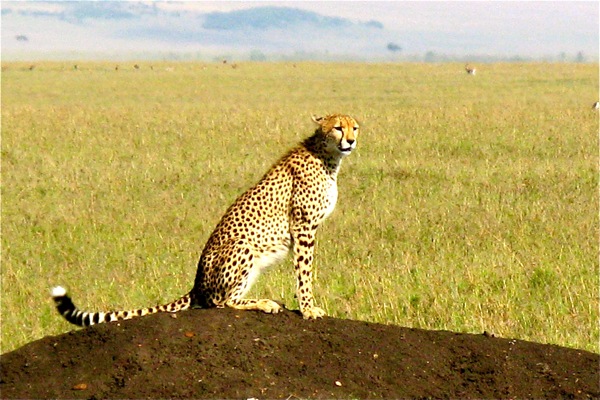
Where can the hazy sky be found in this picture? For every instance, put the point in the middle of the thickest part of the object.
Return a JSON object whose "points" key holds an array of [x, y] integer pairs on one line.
{"points": [[534, 28], [399, 15], [442, 15]]}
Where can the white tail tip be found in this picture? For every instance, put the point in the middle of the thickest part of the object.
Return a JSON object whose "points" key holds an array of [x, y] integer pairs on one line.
{"points": [[58, 291]]}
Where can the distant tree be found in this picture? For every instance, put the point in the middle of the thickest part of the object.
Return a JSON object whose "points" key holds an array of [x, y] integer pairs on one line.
{"points": [[430, 56], [257, 55], [393, 47], [562, 56], [22, 38], [580, 57]]}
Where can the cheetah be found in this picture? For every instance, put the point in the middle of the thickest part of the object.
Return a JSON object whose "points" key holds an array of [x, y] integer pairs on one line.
{"points": [[281, 213]]}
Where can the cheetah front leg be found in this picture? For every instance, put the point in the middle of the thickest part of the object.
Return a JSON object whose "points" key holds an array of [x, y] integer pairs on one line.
{"points": [[304, 244]]}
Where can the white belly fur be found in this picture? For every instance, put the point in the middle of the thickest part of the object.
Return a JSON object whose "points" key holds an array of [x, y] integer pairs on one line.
{"points": [[332, 195], [264, 261]]}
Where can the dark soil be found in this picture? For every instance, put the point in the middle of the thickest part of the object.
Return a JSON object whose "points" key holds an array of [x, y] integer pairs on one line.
{"points": [[223, 353]]}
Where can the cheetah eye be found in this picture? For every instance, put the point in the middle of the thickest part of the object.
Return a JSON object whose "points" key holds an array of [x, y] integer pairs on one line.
{"points": [[355, 128], [339, 128]]}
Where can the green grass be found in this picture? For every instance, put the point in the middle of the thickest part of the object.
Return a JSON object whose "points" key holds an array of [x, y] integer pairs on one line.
{"points": [[471, 202]]}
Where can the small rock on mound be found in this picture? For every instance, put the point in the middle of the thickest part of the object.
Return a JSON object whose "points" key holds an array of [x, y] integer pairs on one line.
{"points": [[224, 353]]}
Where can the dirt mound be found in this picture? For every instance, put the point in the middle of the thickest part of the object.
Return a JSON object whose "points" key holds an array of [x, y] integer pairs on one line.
{"points": [[223, 353]]}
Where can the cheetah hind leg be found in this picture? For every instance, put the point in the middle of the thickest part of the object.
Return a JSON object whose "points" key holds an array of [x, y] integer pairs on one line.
{"points": [[264, 305], [238, 253], [313, 313]]}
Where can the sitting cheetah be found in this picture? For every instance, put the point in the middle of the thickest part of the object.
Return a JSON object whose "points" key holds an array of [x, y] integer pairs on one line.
{"points": [[281, 212]]}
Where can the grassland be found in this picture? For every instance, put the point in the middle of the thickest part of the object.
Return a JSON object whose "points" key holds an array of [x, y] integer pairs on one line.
{"points": [[471, 202]]}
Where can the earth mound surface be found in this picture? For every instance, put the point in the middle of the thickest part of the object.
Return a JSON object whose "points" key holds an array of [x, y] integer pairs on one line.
{"points": [[224, 353]]}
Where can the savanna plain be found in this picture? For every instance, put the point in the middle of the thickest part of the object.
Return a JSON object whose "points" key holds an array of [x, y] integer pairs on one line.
{"points": [[470, 204]]}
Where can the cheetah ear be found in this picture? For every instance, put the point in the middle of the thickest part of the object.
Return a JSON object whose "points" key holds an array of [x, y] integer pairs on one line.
{"points": [[317, 120]]}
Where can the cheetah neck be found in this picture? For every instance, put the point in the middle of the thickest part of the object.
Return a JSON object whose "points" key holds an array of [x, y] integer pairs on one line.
{"points": [[317, 146]]}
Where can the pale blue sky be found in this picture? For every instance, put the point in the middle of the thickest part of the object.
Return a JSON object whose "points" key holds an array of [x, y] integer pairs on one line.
{"points": [[535, 28]]}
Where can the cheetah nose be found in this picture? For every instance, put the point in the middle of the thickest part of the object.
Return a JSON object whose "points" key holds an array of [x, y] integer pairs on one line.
{"points": [[350, 141]]}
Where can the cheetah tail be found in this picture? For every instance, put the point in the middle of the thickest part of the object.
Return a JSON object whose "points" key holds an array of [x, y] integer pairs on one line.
{"points": [[74, 315]]}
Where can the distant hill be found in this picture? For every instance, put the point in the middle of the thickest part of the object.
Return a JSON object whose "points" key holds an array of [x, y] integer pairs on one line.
{"points": [[81, 11], [257, 32], [278, 18], [255, 18]]}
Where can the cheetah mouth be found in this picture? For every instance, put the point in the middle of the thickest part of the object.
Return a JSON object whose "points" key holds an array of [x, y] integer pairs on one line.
{"points": [[345, 150]]}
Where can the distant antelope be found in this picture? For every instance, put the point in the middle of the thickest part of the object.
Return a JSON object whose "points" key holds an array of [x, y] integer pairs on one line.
{"points": [[470, 70], [596, 105]]}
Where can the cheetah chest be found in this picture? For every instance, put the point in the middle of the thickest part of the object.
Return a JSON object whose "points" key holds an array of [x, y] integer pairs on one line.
{"points": [[331, 196]]}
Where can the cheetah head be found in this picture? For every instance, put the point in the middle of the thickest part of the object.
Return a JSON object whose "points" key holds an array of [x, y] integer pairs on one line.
{"points": [[340, 132]]}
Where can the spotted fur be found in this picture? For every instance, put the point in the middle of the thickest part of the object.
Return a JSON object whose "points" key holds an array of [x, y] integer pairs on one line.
{"points": [[280, 213]]}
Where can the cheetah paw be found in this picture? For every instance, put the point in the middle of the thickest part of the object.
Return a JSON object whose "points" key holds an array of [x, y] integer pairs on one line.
{"points": [[268, 306], [313, 313]]}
